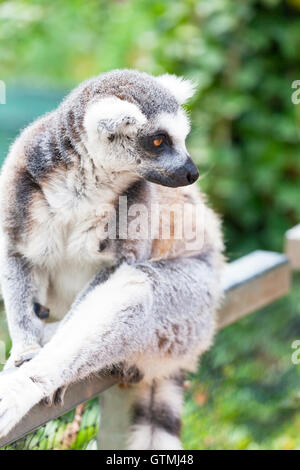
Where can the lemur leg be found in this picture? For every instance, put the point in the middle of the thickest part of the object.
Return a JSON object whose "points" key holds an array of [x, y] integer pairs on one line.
{"points": [[160, 309], [20, 286]]}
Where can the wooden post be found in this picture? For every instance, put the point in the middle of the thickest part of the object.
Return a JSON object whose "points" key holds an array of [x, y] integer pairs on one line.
{"points": [[115, 418], [292, 246]]}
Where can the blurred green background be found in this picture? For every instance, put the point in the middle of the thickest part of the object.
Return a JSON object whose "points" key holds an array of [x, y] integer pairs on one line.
{"points": [[245, 139]]}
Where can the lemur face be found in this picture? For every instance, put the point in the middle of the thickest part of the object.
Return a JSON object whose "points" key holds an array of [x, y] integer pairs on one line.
{"points": [[141, 128], [163, 155]]}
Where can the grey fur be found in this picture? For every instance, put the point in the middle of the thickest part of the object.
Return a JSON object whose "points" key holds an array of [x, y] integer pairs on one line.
{"points": [[22, 321]]}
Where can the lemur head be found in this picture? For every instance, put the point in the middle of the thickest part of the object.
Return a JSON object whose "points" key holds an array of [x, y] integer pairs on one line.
{"points": [[134, 122]]}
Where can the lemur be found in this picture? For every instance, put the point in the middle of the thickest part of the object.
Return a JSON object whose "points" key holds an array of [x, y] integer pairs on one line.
{"points": [[123, 303]]}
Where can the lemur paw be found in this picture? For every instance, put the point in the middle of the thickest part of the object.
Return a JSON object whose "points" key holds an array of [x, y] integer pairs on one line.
{"points": [[18, 394], [125, 374], [19, 356], [57, 399]]}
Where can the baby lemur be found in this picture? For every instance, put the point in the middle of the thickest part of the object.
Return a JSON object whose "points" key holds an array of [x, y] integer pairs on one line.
{"points": [[77, 193]]}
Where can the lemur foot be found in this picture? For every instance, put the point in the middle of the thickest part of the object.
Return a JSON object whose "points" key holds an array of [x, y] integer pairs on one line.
{"points": [[18, 394], [126, 375], [19, 356], [57, 399]]}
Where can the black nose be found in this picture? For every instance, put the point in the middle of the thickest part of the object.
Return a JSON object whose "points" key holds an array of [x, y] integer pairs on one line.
{"points": [[192, 176], [185, 174], [182, 175], [191, 171]]}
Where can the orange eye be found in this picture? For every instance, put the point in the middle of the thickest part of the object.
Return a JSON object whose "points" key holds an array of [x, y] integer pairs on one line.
{"points": [[158, 141]]}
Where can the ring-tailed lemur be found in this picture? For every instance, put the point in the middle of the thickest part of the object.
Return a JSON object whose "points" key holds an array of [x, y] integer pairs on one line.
{"points": [[139, 303]]}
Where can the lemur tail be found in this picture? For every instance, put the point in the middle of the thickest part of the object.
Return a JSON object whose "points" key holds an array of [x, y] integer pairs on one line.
{"points": [[156, 415]]}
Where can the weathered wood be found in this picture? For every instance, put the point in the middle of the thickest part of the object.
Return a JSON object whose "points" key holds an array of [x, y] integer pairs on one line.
{"points": [[250, 283], [253, 282], [292, 246], [40, 414]]}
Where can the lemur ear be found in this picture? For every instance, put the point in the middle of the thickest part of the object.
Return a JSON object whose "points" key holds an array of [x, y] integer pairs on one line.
{"points": [[180, 87], [119, 125], [111, 115]]}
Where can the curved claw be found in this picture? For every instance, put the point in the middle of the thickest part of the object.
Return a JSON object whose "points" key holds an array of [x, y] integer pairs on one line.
{"points": [[57, 399]]}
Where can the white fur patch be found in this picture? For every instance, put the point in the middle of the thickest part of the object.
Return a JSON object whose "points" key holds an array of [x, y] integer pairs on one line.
{"points": [[110, 109], [143, 437], [180, 87], [108, 116], [177, 125], [156, 366], [170, 391]]}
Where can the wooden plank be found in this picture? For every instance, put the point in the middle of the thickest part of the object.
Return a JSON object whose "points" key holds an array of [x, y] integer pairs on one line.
{"points": [[292, 246], [253, 282]]}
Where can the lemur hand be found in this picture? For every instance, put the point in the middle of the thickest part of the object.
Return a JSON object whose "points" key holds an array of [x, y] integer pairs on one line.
{"points": [[19, 355]]}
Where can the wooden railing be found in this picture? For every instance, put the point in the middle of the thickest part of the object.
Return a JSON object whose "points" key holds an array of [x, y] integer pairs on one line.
{"points": [[250, 283]]}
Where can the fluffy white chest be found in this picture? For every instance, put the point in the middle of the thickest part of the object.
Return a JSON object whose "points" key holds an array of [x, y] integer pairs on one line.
{"points": [[69, 230], [65, 245]]}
